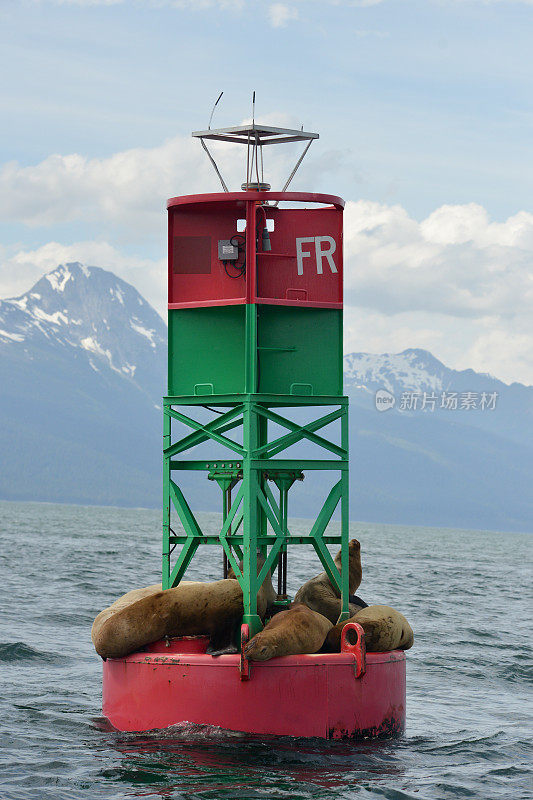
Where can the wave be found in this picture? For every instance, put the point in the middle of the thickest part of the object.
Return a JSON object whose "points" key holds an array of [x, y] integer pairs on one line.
{"points": [[518, 673], [20, 651]]}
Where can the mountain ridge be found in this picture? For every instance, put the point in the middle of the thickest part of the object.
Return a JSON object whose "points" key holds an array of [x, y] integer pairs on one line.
{"points": [[83, 365]]}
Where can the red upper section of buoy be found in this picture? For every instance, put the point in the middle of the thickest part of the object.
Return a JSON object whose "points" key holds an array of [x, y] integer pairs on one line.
{"points": [[297, 263]]}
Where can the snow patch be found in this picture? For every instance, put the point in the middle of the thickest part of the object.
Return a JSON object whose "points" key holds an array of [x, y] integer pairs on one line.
{"points": [[59, 278], [116, 292], [57, 318], [86, 271], [35, 296], [129, 369], [20, 302], [94, 347], [16, 337], [90, 344], [144, 332]]}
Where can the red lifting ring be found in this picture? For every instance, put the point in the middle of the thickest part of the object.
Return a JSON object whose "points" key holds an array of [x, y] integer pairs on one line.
{"points": [[353, 641]]}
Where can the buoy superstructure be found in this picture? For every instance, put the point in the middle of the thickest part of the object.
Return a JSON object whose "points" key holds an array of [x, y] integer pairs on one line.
{"points": [[255, 324]]}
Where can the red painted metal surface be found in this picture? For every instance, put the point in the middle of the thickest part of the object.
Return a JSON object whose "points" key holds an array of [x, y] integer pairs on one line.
{"points": [[307, 695], [353, 641], [242, 197], [303, 268]]}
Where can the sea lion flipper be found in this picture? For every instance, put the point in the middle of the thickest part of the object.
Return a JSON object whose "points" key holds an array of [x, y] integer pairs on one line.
{"points": [[223, 641]]}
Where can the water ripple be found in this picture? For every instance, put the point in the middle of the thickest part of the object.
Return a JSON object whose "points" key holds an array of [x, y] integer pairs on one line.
{"points": [[469, 674]]}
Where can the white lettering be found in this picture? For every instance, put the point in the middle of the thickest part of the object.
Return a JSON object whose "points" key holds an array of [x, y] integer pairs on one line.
{"points": [[328, 253], [321, 252], [301, 254]]}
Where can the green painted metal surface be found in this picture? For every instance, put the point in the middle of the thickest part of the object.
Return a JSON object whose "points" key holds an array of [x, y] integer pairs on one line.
{"points": [[206, 350], [299, 350], [269, 349]]}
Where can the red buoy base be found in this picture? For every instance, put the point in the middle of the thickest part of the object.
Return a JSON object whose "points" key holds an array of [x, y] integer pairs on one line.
{"points": [[330, 695]]}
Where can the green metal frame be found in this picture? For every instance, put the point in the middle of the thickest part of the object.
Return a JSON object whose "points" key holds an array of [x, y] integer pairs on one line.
{"points": [[250, 466]]}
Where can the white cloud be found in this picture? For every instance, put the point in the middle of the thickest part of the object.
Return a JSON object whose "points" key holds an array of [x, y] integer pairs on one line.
{"points": [[238, 5], [128, 188], [194, 4], [456, 282], [280, 15], [455, 262], [495, 344], [358, 3]]}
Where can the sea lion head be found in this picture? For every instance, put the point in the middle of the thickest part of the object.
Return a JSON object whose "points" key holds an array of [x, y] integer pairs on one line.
{"points": [[260, 649], [355, 568], [354, 564]]}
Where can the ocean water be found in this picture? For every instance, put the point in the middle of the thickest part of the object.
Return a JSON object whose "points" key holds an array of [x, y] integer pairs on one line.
{"points": [[466, 593]]}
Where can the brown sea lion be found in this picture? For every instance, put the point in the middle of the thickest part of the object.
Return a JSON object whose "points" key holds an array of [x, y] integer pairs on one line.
{"points": [[192, 608], [385, 629], [294, 631], [127, 600], [320, 596]]}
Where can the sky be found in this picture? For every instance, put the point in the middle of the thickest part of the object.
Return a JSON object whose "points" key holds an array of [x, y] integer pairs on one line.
{"points": [[425, 116]]}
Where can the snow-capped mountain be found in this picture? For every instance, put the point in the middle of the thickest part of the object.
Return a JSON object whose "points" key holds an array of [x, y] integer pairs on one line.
{"points": [[410, 370], [82, 372], [92, 316], [465, 397]]}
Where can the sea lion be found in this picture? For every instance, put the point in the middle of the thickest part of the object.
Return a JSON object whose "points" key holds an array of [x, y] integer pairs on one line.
{"points": [[227, 640], [318, 593], [294, 631], [385, 629], [190, 609], [127, 600]]}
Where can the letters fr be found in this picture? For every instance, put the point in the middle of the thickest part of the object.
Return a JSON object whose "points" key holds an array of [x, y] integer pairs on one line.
{"points": [[325, 246]]}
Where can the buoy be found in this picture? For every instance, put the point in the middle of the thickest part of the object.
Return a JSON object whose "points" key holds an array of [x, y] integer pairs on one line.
{"points": [[255, 328]]}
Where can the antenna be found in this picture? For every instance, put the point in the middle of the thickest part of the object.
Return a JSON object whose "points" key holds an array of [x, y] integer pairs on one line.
{"points": [[255, 137], [213, 111]]}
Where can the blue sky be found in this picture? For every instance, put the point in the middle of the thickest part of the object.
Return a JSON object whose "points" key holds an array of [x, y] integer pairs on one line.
{"points": [[420, 106]]}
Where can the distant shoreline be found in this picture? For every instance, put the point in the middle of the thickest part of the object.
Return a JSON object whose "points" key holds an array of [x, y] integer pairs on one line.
{"points": [[398, 525]]}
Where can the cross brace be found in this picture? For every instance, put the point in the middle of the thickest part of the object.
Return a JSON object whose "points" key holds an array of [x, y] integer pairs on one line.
{"points": [[254, 520]]}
